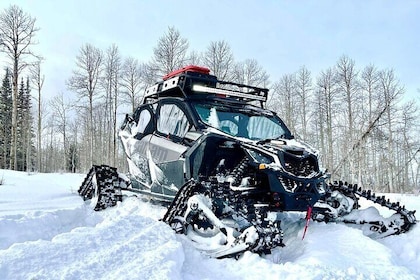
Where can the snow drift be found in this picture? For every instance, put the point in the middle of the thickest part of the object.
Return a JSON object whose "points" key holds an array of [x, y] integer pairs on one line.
{"points": [[48, 232]]}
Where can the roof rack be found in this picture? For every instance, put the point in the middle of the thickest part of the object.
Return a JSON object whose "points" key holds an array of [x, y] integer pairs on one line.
{"points": [[195, 81]]}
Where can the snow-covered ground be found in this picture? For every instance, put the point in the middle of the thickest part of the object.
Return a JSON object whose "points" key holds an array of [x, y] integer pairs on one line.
{"points": [[48, 232]]}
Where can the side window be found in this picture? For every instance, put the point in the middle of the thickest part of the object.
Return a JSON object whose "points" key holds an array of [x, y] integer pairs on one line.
{"points": [[172, 121], [142, 123], [144, 119]]}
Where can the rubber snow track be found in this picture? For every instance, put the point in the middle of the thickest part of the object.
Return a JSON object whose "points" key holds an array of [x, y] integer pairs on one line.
{"points": [[58, 236]]}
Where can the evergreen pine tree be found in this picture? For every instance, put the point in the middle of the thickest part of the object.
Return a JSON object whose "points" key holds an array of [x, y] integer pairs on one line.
{"points": [[25, 145], [21, 127], [5, 119]]}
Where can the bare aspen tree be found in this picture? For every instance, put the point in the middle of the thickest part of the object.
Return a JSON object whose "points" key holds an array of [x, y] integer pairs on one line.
{"points": [[73, 160], [194, 58], [132, 81], [53, 155], [104, 123], [318, 134], [347, 83], [251, 73], [111, 84], [150, 75], [219, 58], [61, 110], [284, 94], [102, 130], [391, 91], [84, 81], [37, 79], [169, 54], [369, 85], [45, 114], [81, 133], [114, 55], [303, 89], [327, 90], [410, 145], [17, 32]]}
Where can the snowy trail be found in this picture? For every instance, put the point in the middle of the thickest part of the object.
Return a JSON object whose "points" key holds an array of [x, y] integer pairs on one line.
{"points": [[48, 232], [105, 250], [43, 225]]}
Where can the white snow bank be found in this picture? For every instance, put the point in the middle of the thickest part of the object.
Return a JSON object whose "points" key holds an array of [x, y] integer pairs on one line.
{"points": [[48, 232]]}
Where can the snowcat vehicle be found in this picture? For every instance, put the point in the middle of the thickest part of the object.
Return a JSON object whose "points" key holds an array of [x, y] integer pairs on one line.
{"points": [[226, 167]]}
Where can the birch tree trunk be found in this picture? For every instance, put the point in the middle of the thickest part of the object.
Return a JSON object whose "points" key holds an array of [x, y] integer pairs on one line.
{"points": [[17, 30], [84, 81], [303, 86]]}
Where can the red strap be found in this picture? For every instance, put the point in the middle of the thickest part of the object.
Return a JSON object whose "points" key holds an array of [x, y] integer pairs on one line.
{"points": [[308, 217]]}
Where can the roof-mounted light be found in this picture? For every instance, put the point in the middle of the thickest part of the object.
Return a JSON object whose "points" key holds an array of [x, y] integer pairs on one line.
{"points": [[253, 96]]}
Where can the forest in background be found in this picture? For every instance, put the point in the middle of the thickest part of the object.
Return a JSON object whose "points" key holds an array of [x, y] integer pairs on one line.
{"points": [[355, 116]]}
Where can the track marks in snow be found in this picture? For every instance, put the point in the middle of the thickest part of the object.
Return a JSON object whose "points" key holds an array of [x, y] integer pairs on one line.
{"points": [[125, 246], [43, 225]]}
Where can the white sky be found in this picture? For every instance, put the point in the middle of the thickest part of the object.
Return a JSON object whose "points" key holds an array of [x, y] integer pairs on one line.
{"points": [[281, 35]]}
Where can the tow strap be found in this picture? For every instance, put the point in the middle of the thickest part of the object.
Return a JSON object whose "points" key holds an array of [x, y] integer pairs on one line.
{"points": [[308, 217]]}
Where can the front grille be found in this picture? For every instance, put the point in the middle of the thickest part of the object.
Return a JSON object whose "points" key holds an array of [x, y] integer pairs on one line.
{"points": [[300, 165], [294, 185]]}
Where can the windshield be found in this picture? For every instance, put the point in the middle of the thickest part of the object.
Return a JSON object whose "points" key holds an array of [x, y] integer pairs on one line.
{"points": [[252, 123]]}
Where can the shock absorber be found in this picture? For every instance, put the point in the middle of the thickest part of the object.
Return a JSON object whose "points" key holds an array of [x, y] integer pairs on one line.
{"points": [[238, 172]]}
